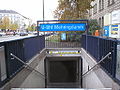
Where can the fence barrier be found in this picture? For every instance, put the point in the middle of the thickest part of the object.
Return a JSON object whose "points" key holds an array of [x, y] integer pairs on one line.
{"points": [[98, 47], [25, 49]]}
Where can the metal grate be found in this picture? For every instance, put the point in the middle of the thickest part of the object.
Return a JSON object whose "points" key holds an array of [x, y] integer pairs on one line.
{"points": [[56, 40]]}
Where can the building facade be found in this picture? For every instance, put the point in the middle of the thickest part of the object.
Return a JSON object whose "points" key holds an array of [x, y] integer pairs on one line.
{"points": [[103, 7], [15, 17]]}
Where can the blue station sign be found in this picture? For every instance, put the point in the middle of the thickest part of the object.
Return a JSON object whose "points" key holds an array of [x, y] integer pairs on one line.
{"points": [[63, 36], [63, 27], [106, 30]]}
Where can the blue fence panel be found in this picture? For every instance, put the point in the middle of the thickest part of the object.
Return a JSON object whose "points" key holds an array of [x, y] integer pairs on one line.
{"points": [[1, 44], [42, 42], [13, 65], [114, 57], [2, 82], [32, 46], [92, 46], [29, 48], [24, 49], [98, 48], [106, 46], [83, 41]]}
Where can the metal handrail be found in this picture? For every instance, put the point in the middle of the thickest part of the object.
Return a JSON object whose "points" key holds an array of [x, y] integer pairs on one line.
{"points": [[14, 56], [97, 63]]}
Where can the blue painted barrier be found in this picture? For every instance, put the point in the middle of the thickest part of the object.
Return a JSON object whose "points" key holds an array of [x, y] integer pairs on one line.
{"points": [[25, 49], [99, 47], [32, 46]]}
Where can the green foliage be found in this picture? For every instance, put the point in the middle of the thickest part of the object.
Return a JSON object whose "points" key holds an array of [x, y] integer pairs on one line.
{"points": [[93, 25], [14, 26], [31, 28], [0, 23], [72, 9], [73, 36], [5, 23]]}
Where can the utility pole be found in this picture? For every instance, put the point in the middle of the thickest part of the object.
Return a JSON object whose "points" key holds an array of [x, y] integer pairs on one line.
{"points": [[43, 18], [43, 11]]}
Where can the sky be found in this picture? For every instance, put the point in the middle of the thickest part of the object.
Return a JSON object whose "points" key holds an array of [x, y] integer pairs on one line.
{"points": [[32, 9]]}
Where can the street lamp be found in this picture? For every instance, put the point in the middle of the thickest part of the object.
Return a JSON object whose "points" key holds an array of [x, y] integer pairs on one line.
{"points": [[43, 19], [43, 12]]}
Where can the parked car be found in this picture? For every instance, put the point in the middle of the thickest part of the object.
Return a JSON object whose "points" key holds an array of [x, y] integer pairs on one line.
{"points": [[35, 33], [9, 33], [17, 33], [23, 33], [2, 34]]}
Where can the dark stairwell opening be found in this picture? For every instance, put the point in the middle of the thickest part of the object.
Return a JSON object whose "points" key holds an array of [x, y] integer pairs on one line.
{"points": [[63, 72]]}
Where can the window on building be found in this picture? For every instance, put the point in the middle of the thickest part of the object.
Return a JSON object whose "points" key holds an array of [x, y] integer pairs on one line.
{"points": [[95, 9], [14, 16], [90, 12], [110, 2], [102, 22], [101, 5]]}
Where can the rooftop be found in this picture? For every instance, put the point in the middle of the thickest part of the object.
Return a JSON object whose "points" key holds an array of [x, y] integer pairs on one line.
{"points": [[11, 12], [8, 11]]}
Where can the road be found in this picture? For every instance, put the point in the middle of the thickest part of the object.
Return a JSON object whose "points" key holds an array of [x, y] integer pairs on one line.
{"points": [[9, 38]]}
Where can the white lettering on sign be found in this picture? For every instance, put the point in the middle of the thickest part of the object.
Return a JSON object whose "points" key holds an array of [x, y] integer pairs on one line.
{"points": [[63, 27]]}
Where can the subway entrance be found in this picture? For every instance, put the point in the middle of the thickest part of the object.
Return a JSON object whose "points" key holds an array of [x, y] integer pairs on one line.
{"points": [[62, 33], [63, 72]]}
